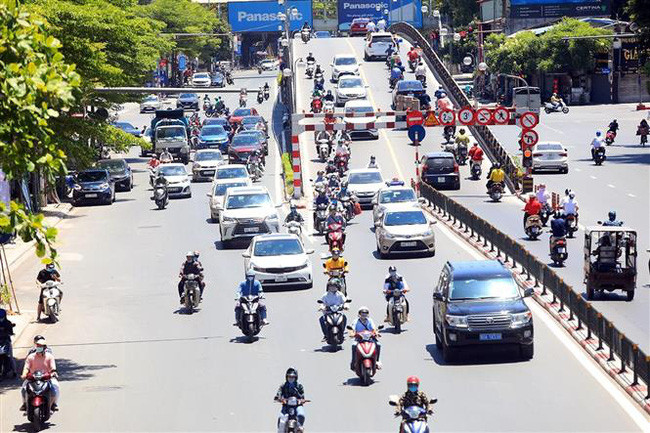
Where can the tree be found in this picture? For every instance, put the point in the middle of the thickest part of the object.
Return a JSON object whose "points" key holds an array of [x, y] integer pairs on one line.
{"points": [[461, 12], [639, 12]]}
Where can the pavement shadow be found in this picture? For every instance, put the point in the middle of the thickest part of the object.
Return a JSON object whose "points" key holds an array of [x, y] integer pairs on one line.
{"points": [[236, 245], [70, 370], [120, 200], [606, 296], [329, 349], [355, 381], [391, 330], [185, 312], [243, 339], [27, 426], [482, 355]]}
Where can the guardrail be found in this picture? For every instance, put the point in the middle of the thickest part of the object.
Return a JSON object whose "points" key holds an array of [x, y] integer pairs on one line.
{"points": [[598, 327], [484, 136]]}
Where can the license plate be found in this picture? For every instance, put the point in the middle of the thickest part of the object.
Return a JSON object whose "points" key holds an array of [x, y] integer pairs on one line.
{"points": [[91, 195], [251, 229], [489, 337], [207, 173], [280, 278], [561, 250], [409, 244], [441, 179]]}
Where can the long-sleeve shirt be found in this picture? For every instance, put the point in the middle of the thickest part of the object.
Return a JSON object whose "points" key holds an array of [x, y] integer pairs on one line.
{"points": [[336, 298], [246, 288]]}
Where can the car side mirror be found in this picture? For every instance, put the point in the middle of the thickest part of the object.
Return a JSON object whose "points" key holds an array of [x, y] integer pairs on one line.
{"points": [[246, 255], [310, 251], [349, 328], [528, 292], [380, 327], [433, 401], [393, 400], [319, 301], [437, 296], [209, 195]]}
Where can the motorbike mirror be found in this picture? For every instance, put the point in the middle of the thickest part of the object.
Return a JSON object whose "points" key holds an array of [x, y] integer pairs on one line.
{"points": [[347, 301], [319, 301], [209, 195], [600, 223], [528, 292], [433, 401], [437, 296], [310, 251], [246, 255], [349, 328], [380, 327]]}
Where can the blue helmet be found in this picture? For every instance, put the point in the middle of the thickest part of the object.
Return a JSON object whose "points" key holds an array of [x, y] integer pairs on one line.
{"points": [[598, 133]]}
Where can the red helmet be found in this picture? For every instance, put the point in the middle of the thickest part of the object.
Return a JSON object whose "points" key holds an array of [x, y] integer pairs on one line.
{"points": [[412, 380]]}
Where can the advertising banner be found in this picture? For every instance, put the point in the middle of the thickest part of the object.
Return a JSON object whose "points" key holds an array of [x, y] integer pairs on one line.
{"points": [[409, 11], [262, 16], [554, 8]]}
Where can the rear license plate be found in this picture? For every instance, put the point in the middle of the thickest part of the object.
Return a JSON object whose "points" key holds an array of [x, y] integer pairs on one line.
{"points": [[281, 279], [207, 173], [408, 244], [489, 337], [441, 179], [91, 195], [251, 229], [561, 250]]}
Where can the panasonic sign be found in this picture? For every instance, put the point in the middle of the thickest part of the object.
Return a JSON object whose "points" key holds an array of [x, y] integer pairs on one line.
{"points": [[263, 16], [409, 11]]}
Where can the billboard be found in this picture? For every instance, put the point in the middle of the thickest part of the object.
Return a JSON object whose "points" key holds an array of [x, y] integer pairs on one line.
{"points": [[262, 16], [393, 11], [557, 9]]}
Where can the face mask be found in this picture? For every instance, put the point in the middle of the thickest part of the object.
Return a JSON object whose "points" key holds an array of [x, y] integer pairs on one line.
{"points": [[40, 349], [413, 388], [291, 380]]}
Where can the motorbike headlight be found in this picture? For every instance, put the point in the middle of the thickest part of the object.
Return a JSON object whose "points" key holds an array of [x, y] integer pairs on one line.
{"points": [[521, 319], [456, 321]]}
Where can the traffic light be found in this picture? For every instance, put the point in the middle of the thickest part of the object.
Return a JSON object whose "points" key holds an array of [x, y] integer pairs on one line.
{"points": [[528, 157]]}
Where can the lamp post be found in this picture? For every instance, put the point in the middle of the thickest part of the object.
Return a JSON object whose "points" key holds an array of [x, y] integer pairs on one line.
{"points": [[436, 14], [617, 45]]}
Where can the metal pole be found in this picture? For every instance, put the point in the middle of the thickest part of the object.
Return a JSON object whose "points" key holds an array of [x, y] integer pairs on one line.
{"points": [[525, 84]]}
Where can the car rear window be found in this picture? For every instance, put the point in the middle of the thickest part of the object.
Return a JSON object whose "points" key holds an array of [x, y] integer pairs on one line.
{"points": [[409, 86], [231, 172], [440, 163], [384, 38], [240, 201], [359, 109], [242, 112], [397, 196], [244, 140], [365, 178], [221, 188], [208, 156]]}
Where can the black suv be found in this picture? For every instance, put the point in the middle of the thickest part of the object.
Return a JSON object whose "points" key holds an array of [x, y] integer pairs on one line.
{"points": [[94, 185], [440, 170], [479, 303], [120, 172]]}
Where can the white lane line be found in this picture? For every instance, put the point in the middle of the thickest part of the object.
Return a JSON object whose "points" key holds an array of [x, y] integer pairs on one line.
{"points": [[629, 194], [593, 177], [613, 389], [610, 185], [552, 129]]}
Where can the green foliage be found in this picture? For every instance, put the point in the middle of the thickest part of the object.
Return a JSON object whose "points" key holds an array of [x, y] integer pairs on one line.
{"points": [[287, 168], [324, 9], [468, 44], [462, 12], [639, 11]]}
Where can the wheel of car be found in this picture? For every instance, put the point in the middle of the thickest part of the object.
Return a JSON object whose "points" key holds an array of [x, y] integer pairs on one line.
{"points": [[448, 354], [630, 295], [526, 351], [381, 255], [590, 293], [129, 186], [365, 57]]}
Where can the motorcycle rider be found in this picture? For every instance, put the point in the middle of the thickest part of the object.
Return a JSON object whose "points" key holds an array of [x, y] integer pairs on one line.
{"points": [[425, 101], [321, 199], [153, 162], [333, 296], [165, 156], [496, 175], [570, 205], [33, 349], [439, 93], [373, 162], [475, 154], [365, 323], [371, 27], [396, 74], [320, 177], [613, 127], [161, 181], [556, 101], [558, 228], [381, 25], [218, 104], [306, 27], [44, 275], [190, 266], [394, 281], [6, 331], [611, 220], [606, 254], [294, 215], [596, 143], [328, 96], [255, 158], [336, 263], [243, 94], [542, 195], [290, 388], [533, 207], [462, 139], [41, 360], [420, 71], [250, 287], [318, 71], [310, 58], [413, 55], [412, 397], [336, 218]]}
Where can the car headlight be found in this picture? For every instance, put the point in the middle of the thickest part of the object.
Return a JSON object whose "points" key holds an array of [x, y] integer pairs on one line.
{"points": [[225, 219], [456, 321], [104, 186], [428, 232], [257, 268], [521, 319], [388, 235]]}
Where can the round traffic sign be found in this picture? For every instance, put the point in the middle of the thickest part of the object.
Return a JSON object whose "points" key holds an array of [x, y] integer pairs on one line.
{"points": [[501, 116], [466, 116], [414, 117], [529, 120], [529, 137], [447, 117], [416, 133], [483, 116]]}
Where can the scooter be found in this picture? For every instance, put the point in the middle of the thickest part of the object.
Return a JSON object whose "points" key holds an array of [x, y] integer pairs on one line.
{"points": [[329, 106], [309, 70], [337, 276], [242, 100], [533, 227], [335, 236], [316, 105], [559, 251], [321, 218], [348, 207], [250, 322], [7, 366], [294, 228], [496, 191], [323, 150], [334, 319], [39, 399], [266, 94], [305, 35], [191, 293], [365, 360], [413, 64], [461, 154], [571, 223], [545, 213], [51, 300], [550, 108], [599, 155], [288, 423], [414, 418], [160, 196], [610, 137], [255, 170], [229, 78], [260, 96], [397, 314], [476, 171]]}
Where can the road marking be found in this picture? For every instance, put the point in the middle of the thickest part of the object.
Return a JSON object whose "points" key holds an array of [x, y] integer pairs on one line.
{"points": [[572, 346], [629, 194], [552, 129], [577, 169], [593, 177], [610, 185]]}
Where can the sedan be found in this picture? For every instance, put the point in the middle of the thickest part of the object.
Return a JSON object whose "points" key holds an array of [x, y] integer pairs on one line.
{"points": [[358, 27], [404, 230], [188, 101], [213, 137], [407, 88], [120, 172], [390, 197], [150, 103], [344, 64], [550, 156], [205, 164], [239, 113], [269, 64], [128, 128], [254, 122], [349, 87], [261, 136], [364, 184], [279, 260], [218, 80], [201, 79], [94, 185], [231, 171], [177, 178], [217, 121], [219, 189], [242, 145]]}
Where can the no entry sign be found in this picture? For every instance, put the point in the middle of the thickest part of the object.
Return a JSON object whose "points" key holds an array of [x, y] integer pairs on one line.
{"points": [[501, 116], [414, 117], [483, 116], [529, 120], [466, 116]]}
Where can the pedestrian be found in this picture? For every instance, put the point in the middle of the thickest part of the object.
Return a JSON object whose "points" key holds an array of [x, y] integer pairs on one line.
{"points": [[434, 35]]}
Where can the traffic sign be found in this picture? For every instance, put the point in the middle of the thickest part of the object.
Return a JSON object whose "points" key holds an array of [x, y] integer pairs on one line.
{"points": [[416, 133], [182, 62], [529, 137], [431, 119], [501, 116], [466, 116], [483, 116], [414, 117], [529, 120], [447, 117]]}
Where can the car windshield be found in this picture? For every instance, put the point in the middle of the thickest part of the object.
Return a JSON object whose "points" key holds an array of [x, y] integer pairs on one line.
{"points": [[549, 146], [322, 34], [251, 120], [151, 98], [360, 109], [345, 61], [277, 247], [91, 176], [365, 178], [240, 201], [350, 82], [172, 170], [231, 172], [405, 218], [188, 96], [386, 38], [215, 121], [483, 288], [201, 75], [167, 132], [221, 188], [208, 156], [241, 140], [213, 130], [397, 196], [115, 166], [239, 112], [409, 86], [123, 125], [440, 163]]}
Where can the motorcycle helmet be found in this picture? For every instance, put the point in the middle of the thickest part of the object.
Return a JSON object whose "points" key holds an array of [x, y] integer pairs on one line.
{"points": [[461, 131], [50, 267], [598, 133], [412, 383], [497, 165], [291, 373], [364, 312], [189, 254], [392, 271], [612, 215], [572, 195]]}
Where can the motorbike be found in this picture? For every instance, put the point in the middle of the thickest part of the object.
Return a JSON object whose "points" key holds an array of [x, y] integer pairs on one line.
{"points": [[321, 218], [599, 155], [545, 213], [329, 106], [294, 228], [341, 164], [191, 292], [250, 322], [348, 207], [397, 314], [448, 135], [476, 171], [316, 105], [496, 191], [229, 78], [571, 222], [260, 96], [559, 251], [365, 362], [309, 70], [255, 170], [550, 108], [39, 399], [323, 150], [393, 81], [335, 236], [289, 422], [207, 105], [7, 367], [242, 100], [413, 64], [533, 227], [266, 94], [461, 154], [305, 35], [610, 137], [334, 319], [414, 418], [643, 133], [160, 196], [51, 300]]}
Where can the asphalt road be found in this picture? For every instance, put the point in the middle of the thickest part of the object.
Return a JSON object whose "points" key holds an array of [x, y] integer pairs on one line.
{"points": [[621, 183], [130, 361]]}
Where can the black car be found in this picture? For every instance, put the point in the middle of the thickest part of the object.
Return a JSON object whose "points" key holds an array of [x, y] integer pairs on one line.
{"points": [[188, 101], [242, 145], [128, 128], [120, 172], [217, 80], [94, 185], [407, 88], [440, 170], [478, 303]]}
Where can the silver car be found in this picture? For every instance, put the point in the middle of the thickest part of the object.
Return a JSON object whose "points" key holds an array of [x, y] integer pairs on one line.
{"points": [[390, 197], [550, 156], [150, 103], [364, 184], [404, 230], [205, 164], [349, 88]]}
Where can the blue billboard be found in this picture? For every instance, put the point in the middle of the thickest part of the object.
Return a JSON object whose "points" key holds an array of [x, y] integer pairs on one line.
{"points": [[262, 16], [393, 11]]}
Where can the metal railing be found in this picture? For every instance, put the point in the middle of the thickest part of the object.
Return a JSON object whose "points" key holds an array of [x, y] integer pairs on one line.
{"points": [[484, 136], [587, 317]]}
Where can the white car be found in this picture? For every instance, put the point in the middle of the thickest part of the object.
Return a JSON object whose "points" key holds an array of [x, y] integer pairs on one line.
{"points": [[344, 64], [219, 189], [150, 103], [279, 259], [405, 230], [377, 44], [360, 106], [201, 79], [231, 171], [205, 164], [247, 212], [550, 155], [389, 197], [364, 184], [349, 88], [177, 178], [269, 64]]}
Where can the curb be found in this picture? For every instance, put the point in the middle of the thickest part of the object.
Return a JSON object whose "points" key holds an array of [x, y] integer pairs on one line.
{"points": [[601, 353]]}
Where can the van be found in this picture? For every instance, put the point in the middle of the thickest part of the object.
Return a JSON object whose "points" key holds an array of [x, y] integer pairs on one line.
{"points": [[526, 99]]}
